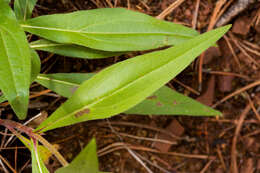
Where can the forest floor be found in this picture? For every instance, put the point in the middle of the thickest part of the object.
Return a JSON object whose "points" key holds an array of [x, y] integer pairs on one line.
{"points": [[226, 77]]}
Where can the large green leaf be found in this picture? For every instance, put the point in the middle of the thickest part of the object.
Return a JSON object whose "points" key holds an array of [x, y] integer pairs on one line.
{"points": [[15, 58], [71, 50], [109, 29], [125, 84], [85, 162], [23, 8], [37, 162], [165, 101]]}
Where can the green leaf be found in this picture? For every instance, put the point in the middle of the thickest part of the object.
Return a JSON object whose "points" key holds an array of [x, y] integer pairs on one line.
{"points": [[44, 153], [125, 84], [23, 8], [71, 50], [2, 99], [65, 84], [35, 70], [35, 65], [85, 162], [109, 29], [37, 162], [165, 101], [15, 58]]}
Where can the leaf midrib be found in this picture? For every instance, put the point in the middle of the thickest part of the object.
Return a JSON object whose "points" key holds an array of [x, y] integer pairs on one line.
{"points": [[58, 81], [102, 33]]}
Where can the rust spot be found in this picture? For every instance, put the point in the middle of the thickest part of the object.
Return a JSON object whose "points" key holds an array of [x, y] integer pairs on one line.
{"points": [[175, 102], [73, 89], [80, 113], [158, 104], [151, 97]]}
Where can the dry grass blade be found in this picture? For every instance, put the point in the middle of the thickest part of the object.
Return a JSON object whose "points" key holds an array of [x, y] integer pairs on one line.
{"points": [[168, 10]]}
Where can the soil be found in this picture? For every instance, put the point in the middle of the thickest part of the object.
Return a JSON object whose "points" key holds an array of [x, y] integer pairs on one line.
{"points": [[203, 144]]}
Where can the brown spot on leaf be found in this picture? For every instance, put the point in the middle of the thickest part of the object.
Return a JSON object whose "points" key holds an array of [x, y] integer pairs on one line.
{"points": [[175, 102], [73, 89], [80, 113], [151, 97], [158, 104]]}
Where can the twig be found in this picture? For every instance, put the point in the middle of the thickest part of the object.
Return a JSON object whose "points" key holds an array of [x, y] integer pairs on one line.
{"points": [[148, 139], [169, 9], [3, 166], [224, 73], [29, 131], [119, 146], [253, 108], [233, 52], [207, 166], [237, 92], [187, 87], [195, 15], [128, 149], [221, 158], [8, 164], [27, 122], [255, 46], [234, 168], [153, 164], [31, 96], [213, 20], [143, 126]]}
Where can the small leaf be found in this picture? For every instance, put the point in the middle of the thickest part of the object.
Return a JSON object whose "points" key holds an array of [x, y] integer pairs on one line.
{"points": [[65, 84], [172, 102], [2, 99], [166, 101], [37, 163], [15, 58], [35, 65], [85, 162], [125, 84], [71, 50], [23, 8], [109, 29]]}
